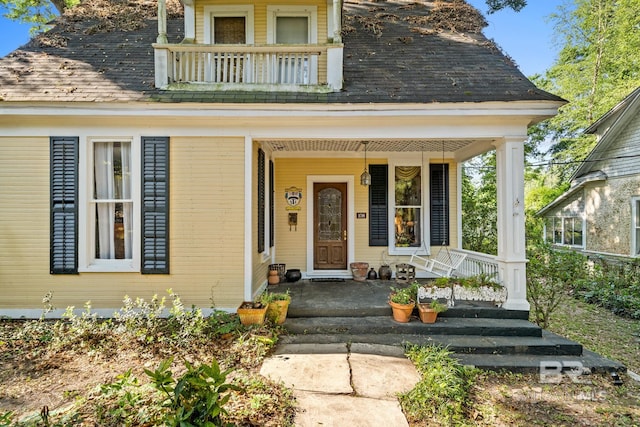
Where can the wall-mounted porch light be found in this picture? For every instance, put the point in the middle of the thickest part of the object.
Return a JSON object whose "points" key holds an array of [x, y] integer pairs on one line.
{"points": [[365, 178]]}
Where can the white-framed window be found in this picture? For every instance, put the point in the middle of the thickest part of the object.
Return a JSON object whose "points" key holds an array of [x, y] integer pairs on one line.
{"points": [[109, 205], [635, 226], [294, 25], [407, 210], [564, 230], [229, 24]]}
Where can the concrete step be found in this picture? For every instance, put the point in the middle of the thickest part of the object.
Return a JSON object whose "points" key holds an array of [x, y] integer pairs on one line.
{"points": [[551, 365], [372, 325], [548, 344], [346, 310]]}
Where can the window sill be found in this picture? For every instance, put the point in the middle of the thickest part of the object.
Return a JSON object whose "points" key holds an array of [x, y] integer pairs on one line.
{"points": [[110, 267]]}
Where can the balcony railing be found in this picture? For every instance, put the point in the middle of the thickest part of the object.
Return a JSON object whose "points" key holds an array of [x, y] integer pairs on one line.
{"points": [[289, 67], [478, 263]]}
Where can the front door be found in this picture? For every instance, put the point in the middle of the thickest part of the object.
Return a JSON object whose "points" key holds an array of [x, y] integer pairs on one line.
{"points": [[330, 226]]}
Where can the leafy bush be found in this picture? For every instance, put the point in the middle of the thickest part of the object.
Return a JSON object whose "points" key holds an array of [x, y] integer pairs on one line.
{"points": [[551, 274], [612, 285], [442, 395], [195, 399]]}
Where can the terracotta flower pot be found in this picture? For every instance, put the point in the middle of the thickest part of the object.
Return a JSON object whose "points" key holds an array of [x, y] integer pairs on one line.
{"points": [[359, 270], [401, 312], [427, 314]]}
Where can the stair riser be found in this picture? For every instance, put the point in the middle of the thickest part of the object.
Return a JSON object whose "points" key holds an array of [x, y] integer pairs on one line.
{"points": [[386, 311], [400, 340], [415, 328]]}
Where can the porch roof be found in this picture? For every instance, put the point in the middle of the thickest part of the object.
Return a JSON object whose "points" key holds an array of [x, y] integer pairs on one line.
{"points": [[394, 52]]}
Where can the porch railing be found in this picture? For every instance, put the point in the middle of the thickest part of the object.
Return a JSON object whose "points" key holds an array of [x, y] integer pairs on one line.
{"points": [[264, 65], [478, 263]]}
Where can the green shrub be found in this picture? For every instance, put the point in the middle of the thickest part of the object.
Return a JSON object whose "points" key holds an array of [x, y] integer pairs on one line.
{"points": [[443, 393], [612, 285], [551, 274], [195, 399]]}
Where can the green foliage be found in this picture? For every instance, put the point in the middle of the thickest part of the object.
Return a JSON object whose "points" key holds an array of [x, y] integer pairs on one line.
{"points": [[479, 205], [496, 5], [5, 418], [612, 285], [406, 295], [479, 281], [222, 323], [596, 68], [268, 297], [551, 273], [125, 402], [442, 395], [38, 13], [438, 307], [195, 399]]}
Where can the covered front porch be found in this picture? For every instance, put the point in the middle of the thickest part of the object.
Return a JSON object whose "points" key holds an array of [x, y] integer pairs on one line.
{"points": [[303, 167]]}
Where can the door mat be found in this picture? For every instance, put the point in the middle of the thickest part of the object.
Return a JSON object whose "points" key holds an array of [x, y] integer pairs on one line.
{"points": [[327, 280]]}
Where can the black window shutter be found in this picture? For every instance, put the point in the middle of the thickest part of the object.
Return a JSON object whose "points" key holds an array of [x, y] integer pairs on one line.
{"points": [[378, 206], [64, 205], [155, 205], [261, 200], [272, 192], [439, 195]]}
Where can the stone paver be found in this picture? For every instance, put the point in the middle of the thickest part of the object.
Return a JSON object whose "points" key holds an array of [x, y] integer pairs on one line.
{"points": [[381, 377], [322, 376], [328, 373], [327, 410]]}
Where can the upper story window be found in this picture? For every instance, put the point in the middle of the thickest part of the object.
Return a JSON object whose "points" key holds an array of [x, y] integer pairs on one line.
{"points": [[228, 24], [229, 29]]}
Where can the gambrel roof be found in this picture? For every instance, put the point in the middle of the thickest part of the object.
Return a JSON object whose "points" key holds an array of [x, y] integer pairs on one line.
{"points": [[394, 52]]}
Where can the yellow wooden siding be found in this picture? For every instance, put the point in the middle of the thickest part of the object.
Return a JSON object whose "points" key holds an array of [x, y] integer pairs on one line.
{"points": [[292, 245], [207, 230], [260, 23]]}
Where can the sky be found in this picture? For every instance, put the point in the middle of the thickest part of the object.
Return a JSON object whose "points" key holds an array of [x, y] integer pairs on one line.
{"points": [[526, 36]]}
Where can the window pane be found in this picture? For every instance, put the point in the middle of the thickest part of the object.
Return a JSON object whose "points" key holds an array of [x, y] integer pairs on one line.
{"points": [[113, 237], [292, 30], [408, 186], [568, 230], [557, 230], [112, 194], [229, 30], [549, 230], [330, 214], [407, 224]]}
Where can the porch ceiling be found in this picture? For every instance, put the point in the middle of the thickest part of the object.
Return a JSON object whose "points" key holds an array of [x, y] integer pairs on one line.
{"points": [[375, 145]]}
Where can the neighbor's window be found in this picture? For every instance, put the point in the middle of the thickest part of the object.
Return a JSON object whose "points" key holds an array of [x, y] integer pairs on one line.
{"points": [[113, 221], [635, 205], [408, 206], [564, 231]]}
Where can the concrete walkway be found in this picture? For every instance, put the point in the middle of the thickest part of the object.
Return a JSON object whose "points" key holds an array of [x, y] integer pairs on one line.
{"points": [[338, 385]]}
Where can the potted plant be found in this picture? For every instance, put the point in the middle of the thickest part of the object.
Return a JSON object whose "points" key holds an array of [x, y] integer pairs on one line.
{"points": [[252, 312], [429, 311], [402, 302], [481, 287], [277, 306]]}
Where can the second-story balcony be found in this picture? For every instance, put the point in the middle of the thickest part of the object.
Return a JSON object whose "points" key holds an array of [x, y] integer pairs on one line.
{"points": [[304, 68]]}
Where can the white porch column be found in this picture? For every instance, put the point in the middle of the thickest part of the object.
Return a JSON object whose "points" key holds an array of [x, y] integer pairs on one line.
{"points": [[511, 229], [337, 21], [162, 22]]}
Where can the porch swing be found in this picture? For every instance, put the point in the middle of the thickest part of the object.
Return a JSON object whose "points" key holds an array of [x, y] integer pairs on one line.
{"points": [[446, 262]]}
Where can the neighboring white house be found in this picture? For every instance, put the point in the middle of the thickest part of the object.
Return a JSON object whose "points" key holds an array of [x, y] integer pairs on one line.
{"points": [[600, 213]]}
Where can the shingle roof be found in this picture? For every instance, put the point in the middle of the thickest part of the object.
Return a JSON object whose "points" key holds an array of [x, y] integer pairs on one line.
{"points": [[392, 54]]}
